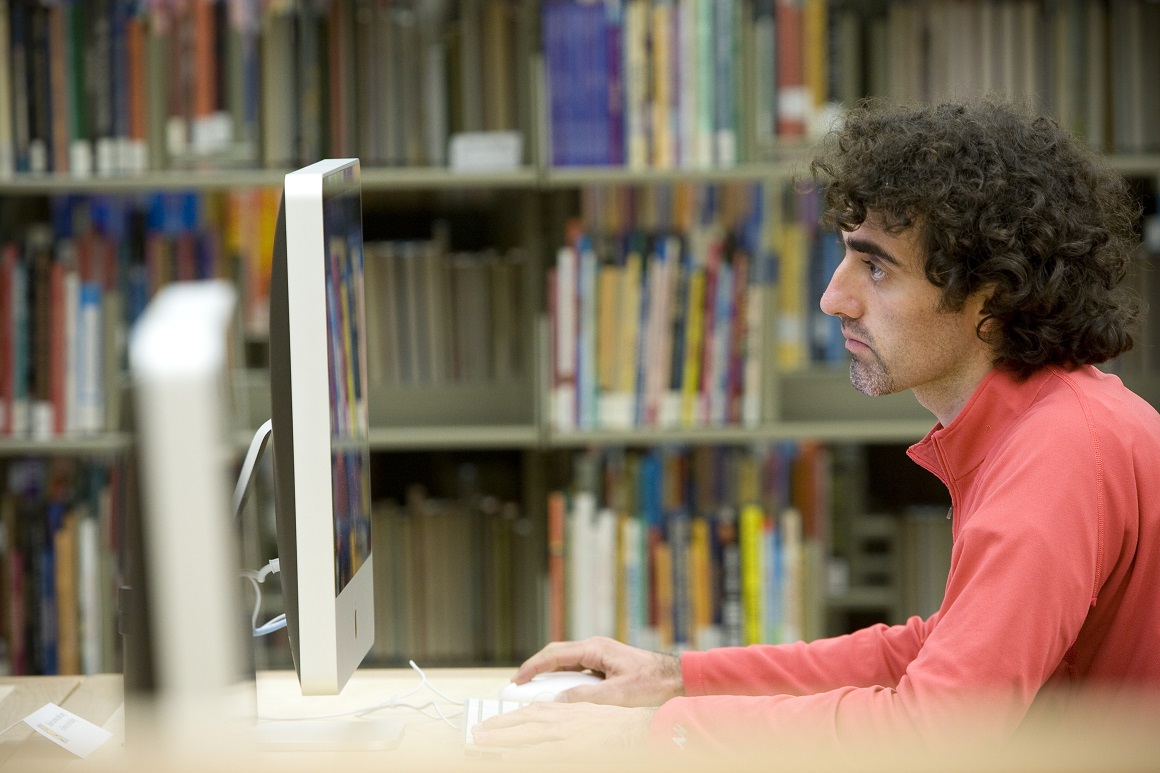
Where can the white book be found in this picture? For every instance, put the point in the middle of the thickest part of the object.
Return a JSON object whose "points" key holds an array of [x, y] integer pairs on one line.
{"points": [[578, 583], [90, 593], [604, 572], [792, 612], [564, 388], [635, 601], [90, 360], [689, 138]]}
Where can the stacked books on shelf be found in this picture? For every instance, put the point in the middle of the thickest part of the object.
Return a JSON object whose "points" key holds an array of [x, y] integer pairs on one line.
{"points": [[73, 286], [458, 580], [1090, 63], [438, 318], [60, 523], [710, 83], [680, 83], [671, 548], [121, 86], [669, 305]]}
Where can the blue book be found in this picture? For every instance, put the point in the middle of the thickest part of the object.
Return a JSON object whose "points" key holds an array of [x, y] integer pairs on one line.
{"points": [[614, 37]]}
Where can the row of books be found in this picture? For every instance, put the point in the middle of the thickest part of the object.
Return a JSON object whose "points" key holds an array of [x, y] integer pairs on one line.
{"points": [[672, 549], [669, 305], [121, 86], [60, 521], [1091, 63], [448, 587], [704, 83], [80, 277], [680, 83], [437, 317]]}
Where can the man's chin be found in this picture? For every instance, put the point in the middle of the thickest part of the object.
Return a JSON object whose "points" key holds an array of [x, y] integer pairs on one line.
{"points": [[868, 382]]}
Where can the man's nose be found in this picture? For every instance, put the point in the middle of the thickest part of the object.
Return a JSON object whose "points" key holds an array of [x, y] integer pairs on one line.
{"points": [[839, 299]]}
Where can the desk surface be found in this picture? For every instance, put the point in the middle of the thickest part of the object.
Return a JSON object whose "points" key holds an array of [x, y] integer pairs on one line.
{"points": [[100, 699], [429, 744]]}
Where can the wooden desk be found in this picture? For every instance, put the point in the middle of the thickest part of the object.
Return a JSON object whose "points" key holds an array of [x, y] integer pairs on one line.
{"points": [[427, 743], [99, 699]]}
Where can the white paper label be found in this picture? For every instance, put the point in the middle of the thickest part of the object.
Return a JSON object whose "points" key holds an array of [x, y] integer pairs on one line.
{"points": [[67, 730]]}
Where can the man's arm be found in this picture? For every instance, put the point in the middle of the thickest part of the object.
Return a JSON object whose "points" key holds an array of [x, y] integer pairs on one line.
{"points": [[876, 656]]}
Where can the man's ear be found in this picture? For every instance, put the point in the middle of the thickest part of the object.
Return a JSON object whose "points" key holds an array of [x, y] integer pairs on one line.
{"points": [[978, 301]]}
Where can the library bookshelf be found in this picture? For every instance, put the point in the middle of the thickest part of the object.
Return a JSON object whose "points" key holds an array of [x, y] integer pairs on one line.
{"points": [[470, 454]]}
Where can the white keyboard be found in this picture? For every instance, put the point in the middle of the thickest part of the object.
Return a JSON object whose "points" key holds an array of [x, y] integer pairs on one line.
{"points": [[476, 710]]}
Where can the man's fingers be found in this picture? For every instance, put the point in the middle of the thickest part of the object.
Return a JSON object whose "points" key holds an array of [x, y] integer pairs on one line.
{"points": [[560, 656]]}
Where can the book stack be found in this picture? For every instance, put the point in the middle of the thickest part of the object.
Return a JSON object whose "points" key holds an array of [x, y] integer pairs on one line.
{"points": [[668, 304], [448, 579], [106, 87], [76, 282], [672, 548], [437, 317], [60, 521], [688, 84]]}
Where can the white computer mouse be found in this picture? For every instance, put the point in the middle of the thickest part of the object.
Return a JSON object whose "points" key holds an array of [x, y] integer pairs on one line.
{"points": [[545, 687]]}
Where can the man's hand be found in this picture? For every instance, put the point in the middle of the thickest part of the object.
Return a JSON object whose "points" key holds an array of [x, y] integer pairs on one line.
{"points": [[632, 676], [548, 729]]}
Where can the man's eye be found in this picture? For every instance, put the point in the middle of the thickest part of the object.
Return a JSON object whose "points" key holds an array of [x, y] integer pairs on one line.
{"points": [[876, 271]]}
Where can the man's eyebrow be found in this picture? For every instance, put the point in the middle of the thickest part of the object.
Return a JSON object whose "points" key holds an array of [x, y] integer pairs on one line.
{"points": [[867, 247]]}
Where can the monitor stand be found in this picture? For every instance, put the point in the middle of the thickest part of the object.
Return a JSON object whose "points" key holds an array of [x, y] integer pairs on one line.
{"points": [[336, 734], [340, 734]]}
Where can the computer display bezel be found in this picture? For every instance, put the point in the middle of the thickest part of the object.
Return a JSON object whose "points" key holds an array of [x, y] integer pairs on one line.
{"points": [[329, 634]]}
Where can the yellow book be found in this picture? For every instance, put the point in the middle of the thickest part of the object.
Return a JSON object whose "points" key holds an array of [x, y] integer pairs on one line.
{"points": [[607, 339], [663, 583], [628, 327], [791, 243], [700, 580], [815, 52], [751, 526], [662, 96], [636, 85], [695, 321]]}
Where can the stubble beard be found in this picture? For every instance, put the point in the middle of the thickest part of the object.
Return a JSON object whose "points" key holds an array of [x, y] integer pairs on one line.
{"points": [[871, 378]]}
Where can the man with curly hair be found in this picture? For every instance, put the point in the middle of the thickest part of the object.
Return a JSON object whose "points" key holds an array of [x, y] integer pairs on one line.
{"points": [[984, 253]]}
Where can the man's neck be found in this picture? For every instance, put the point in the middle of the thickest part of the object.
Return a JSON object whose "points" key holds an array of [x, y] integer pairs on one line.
{"points": [[947, 399]]}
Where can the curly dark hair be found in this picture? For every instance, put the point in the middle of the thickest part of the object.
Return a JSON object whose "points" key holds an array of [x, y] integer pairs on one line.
{"points": [[1003, 199]]}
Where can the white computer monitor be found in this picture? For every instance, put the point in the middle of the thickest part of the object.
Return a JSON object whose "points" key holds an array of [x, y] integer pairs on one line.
{"points": [[187, 673], [318, 394]]}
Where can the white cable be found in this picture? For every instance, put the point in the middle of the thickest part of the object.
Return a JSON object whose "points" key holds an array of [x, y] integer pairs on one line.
{"points": [[278, 622], [391, 703]]}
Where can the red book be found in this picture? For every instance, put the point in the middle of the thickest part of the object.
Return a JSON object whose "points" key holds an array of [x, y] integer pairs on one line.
{"points": [[556, 612], [792, 95]]}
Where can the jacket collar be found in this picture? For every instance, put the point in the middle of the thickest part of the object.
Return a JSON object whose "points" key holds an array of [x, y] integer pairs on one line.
{"points": [[953, 451]]}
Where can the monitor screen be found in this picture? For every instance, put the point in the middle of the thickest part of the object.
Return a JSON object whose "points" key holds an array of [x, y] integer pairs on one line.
{"points": [[319, 423], [345, 345]]}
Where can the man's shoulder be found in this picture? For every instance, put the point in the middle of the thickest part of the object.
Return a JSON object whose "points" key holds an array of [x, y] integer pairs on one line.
{"points": [[1089, 399]]}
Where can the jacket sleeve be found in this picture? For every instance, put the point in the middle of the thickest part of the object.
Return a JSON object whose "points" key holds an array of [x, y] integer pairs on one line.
{"points": [[1024, 569], [874, 656]]}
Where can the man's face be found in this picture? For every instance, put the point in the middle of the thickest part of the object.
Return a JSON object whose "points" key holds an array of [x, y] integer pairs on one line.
{"points": [[896, 335]]}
